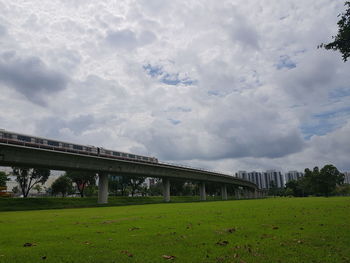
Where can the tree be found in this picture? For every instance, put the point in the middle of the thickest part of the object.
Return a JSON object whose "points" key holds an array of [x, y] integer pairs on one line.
{"points": [[342, 39], [82, 179], [135, 183], [317, 182], [343, 189], [38, 188], [15, 190], [124, 183], [113, 185], [273, 189], [3, 179], [27, 178], [295, 188], [327, 180], [156, 189], [177, 186], [62, 185]]}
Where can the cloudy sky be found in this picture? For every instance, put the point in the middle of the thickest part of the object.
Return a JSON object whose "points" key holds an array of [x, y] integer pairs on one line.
{"points": [[226, 85]]}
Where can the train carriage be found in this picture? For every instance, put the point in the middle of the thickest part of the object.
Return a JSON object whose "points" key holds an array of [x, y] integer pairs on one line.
{"points": [[39, 142]]}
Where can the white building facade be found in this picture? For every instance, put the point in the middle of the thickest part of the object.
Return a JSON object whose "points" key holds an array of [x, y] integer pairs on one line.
{"points": [[347, 178], [293, 176]]}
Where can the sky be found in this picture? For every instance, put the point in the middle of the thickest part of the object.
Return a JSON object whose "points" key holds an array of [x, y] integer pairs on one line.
{"points": [[222, 85]]}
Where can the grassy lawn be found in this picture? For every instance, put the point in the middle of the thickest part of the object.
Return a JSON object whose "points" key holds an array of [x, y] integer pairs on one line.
{"points": [[18, 204], [266, 230]]}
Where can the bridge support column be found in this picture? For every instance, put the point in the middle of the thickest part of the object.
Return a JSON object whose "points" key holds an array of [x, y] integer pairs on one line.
{"points": [[103, 188], [224, 192], [166, 189], [237, 194], [202, 194], [246, 194]]}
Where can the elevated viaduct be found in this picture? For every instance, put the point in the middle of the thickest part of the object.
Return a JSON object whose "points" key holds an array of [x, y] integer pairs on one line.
{"points": [[17, 155]]}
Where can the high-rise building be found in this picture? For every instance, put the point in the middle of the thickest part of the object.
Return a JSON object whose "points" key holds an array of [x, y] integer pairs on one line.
{"points": [[273, 177], [293, 175], [242, 175], [347, 178], [263, 180], [256, 177]]}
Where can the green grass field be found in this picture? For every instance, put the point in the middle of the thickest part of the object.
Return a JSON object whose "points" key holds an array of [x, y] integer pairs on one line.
{"points": [[265, 230], [18, 204]]}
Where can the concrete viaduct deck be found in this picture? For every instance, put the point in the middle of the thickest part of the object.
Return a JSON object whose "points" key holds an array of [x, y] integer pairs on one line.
{"points": [[16, 155]]}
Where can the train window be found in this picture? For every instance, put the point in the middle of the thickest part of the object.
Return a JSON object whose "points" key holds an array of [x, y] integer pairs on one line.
{"points": [[40, 141], [132, 156], [124, 155], [77, 147], [7, 135], [116, 154], [24, 138], [88, 149], [107, 152], [53, 143], [145, 158], [65, 145]]}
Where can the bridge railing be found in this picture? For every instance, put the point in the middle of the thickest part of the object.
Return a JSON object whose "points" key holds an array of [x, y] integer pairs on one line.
{"points": [[197, 168]]}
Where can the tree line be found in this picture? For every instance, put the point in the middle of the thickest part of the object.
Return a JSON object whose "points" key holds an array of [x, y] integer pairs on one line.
{"points": [[320, 182], [317, 182]]}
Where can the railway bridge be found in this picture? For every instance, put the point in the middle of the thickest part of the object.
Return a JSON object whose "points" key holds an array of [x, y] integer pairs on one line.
{"points": [[20, 155]]}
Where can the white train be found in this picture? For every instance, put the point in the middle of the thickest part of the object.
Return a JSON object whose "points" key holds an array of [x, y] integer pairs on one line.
{"points": [[44, 143]]}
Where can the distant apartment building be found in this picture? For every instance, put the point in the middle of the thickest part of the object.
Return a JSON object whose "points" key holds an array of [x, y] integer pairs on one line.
{"points": [[149, 182], [293, 176], [274, 177], [242, 175], [263, 180], [257, 178], [347, 178]]}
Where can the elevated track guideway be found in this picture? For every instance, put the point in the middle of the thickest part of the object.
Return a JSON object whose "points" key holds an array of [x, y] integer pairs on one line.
{"points": [[29, 155]]}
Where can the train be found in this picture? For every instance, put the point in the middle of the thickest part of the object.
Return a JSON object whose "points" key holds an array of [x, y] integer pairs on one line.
{"points": [[55, 145]]}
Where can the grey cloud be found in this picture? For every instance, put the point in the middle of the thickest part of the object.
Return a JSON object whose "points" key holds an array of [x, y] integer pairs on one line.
{"points": [[243, 32], [235, 127], [31, 77], [127, 39], [52, 126], [331, 148], [246, 36], [3, 30], [217, 78], [314, 78]]}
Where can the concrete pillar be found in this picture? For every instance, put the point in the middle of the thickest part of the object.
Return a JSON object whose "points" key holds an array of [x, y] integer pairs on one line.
{"points": [[245, 193], [224, 192], [249, 194], [103, 188], [166, 189], [237, 194], [202, 194]]}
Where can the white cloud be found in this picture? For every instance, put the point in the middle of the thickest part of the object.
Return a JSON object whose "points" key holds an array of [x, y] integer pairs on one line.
{"points": [[240, 81]]}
